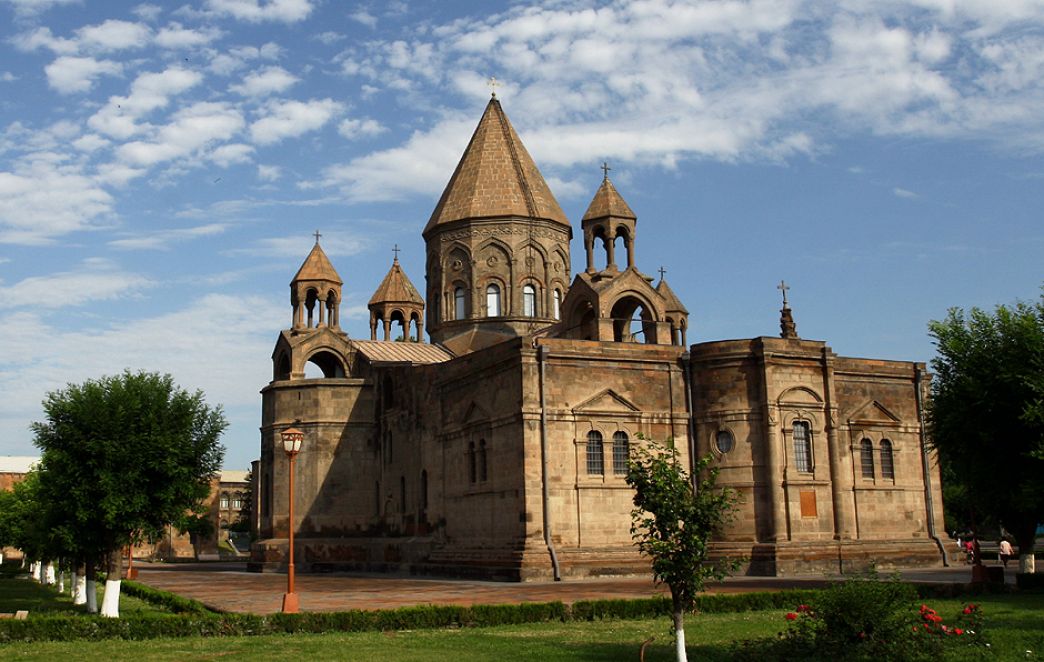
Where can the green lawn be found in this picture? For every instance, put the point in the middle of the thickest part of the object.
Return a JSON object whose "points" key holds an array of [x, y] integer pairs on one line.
{"points": [[23, 593]]}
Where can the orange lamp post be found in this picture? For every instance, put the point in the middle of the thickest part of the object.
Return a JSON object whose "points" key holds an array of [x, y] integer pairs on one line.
{"points": [[292, 438]]}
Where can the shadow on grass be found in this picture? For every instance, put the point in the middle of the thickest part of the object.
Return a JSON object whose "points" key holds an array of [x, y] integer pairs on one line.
{"points": [[22, 593]]}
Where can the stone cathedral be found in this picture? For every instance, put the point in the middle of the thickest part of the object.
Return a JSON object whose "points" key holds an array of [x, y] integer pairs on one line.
{"points": [[498, 448]]}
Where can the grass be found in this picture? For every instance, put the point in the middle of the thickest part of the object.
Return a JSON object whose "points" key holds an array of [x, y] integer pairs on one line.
{"points": [[1014, 623], [23, 593]]}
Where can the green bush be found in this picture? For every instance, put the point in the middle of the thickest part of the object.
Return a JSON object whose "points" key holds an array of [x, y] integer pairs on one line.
{"points": [[171, 601]]}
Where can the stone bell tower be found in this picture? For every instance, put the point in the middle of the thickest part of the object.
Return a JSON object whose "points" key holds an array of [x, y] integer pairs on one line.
{"points": [[497, 244]]}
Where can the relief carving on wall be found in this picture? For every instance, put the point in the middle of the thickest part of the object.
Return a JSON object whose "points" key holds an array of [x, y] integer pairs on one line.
{"points": [[504, 230]]}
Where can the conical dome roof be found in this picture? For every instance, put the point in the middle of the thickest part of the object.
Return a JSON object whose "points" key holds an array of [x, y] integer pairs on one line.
{"points": [[396, 288], [607, 201], [671, 300], [317, 267], [496, 176]]}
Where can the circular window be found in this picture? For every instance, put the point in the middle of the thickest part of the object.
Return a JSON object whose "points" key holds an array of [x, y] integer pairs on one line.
{"points": [[724, 441]]}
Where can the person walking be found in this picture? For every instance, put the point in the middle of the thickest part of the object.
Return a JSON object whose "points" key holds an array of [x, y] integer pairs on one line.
{"points": [[1006, 551]]}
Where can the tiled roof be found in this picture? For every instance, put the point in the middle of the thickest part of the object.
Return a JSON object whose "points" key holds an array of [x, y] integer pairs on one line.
{"points": [[397, 288], [496, 176], [401, 352], [317, 267], [233, 476], [608, 202]]}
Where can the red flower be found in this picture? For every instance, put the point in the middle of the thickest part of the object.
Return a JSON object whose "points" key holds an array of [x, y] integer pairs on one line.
{"points": [[791, 615], [968, 609], [803, 608], [958, 631]]}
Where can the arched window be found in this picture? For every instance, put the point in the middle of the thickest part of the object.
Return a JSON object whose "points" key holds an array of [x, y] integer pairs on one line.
{"points": [[866, 458], [471, 461], [529, 301], [493, 301], [621, 452], [482, 472], [458, 304], [595, 459], [556, 303], [887, 460], [802, 447]]}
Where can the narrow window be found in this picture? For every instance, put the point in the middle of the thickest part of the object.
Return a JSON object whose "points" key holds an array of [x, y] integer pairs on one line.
{"points": [[595, 460], [482, 469], [866, 458], [402, 494], [529, 301], [224, 501], [557, 302], [458, 303], [424, 490], [621, 451], [802, 447], [377, 497], [471, 461], [493, 301], [887, 460]]}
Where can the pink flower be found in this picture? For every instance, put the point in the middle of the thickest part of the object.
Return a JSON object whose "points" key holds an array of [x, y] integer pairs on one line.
{"points": [[791, 615]]}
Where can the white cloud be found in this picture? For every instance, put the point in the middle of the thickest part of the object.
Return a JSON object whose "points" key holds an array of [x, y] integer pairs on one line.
{"points": [[176, 36], [255, 11], [358, 128], [295, 246], [364, 17], [42, 197], [269, 80], [31, 7], [7, 77], [227, 155], [289, 119], [236, 58], [113, 35], [903, 193], [269, 173], [192, 129], [147, 12], [163, 239], [149, 91], [94, 280], [90, 142], [69, 74]]}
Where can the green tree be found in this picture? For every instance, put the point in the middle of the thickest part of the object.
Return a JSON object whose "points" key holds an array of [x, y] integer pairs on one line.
{"points": [[987, 413], [122, 456], [672, 524]]}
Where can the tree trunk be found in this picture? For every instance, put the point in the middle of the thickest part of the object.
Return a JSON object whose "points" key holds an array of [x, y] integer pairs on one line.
{"points": [[61, 580], [79, 586], [92, 588], [679, 629], [1026, 537], [111, 601], [48, 578]]}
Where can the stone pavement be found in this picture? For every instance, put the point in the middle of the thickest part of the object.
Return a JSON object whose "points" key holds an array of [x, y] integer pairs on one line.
{"points": [[228, 587]]}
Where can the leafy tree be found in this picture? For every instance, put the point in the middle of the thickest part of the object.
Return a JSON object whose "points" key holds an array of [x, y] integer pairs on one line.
{"points": [[672, 524], [122, 456], [987, 413]]}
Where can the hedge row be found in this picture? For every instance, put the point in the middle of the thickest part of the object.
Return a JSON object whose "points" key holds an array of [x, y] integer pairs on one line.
{"points": [[171, 601], [196, 623]]}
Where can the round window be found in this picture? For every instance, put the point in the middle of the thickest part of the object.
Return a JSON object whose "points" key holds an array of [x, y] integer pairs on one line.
{"points": [[724, 441]]}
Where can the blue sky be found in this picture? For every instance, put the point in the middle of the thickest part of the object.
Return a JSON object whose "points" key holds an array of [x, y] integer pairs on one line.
{"points": [[163, 166]]}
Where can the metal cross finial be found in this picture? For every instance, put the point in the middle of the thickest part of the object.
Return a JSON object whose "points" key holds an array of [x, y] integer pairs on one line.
{"points": [[493, 85], [396, 251], [605, 171], [783, 287], [662, 272], [317, 235]]}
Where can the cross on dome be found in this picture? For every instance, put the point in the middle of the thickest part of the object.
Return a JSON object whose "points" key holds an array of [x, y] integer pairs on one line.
{"points": [[783, 287]]}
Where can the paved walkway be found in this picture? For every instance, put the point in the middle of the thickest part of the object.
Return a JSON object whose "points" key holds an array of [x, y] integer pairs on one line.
{"points": [[228, 587]]}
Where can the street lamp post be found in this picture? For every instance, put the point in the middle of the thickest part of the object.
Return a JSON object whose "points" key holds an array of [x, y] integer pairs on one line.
{"points": [[292, 438]]}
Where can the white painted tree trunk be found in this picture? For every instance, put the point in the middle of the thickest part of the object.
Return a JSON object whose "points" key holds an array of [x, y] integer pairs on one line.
{"points": [[79, 589], [61, 581], [49, 579], [1027, 563], [92, 596], [111, 601], [679, 644], [39, 572], [34, 570]]}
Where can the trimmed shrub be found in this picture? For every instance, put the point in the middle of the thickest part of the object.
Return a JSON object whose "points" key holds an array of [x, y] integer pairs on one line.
{"points": [[171, 601]]}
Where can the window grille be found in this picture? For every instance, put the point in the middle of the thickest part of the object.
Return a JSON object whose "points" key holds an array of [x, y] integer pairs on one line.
{"points": [[595, 459], [802, 447], [866, 458], [887, 460], [621, 452]]}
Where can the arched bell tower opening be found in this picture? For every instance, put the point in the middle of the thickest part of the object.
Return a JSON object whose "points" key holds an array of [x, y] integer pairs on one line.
{"points": [[396, 303]]}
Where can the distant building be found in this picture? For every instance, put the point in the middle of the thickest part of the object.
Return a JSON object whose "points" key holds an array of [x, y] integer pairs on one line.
{"points": [[499, 448]]}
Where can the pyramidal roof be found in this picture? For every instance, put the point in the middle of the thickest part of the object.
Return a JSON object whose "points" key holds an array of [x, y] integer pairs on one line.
{"points": [[673, 303], [396, 287], [607, 201], [317, 267], [496, 176]]}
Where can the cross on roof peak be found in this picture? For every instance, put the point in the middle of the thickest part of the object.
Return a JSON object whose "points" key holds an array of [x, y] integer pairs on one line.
{"points": [[493, 85], [605, 171], [783, 287], [317, 235], [662, 272], [396, 250]]}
